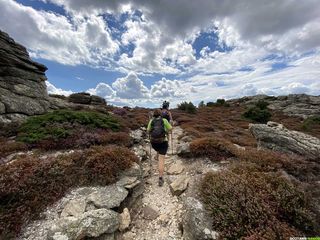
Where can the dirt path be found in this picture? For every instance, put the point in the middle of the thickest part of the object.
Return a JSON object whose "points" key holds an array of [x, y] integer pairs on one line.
{"points": [[159, 213]]}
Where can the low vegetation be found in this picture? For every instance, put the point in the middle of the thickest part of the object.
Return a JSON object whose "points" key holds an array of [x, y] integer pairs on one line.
{"points": [[256, 205], [29, 184], [217, 121], [65, 129], [311, 123], [187, 107], [265, 194], [61, 124], [8, 147], [214, 149], [258, 113], [255, 198]]}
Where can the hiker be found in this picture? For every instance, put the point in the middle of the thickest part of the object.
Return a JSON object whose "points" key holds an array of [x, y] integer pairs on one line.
{"points": [[158, 129], [165, 112]]}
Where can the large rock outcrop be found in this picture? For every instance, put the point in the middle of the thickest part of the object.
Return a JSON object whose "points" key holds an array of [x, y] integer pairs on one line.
{"points": [[276, 137], [23, 90], [78, 101], [299, 105]]}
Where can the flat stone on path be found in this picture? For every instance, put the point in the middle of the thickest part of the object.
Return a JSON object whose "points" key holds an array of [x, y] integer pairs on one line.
{"points": [[149, 213], [176, 168]]}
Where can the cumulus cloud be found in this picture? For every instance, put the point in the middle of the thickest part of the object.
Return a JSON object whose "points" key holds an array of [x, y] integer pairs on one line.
{"points": [[249, 90], [103, 90], [75, 40], [167, 88], [160, 36], [130, 87], [54, 90], [252, 19]]}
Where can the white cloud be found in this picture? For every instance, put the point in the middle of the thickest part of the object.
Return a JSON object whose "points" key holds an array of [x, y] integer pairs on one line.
{"points": [[248, 90], [167, 89], [161, 40], [47, 35], [148, 55], [54, 90], [130, 87], [251, 19], [102, 90]]}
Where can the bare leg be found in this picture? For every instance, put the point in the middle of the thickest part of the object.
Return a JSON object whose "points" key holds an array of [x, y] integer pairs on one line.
{"points": [[161, 164]]}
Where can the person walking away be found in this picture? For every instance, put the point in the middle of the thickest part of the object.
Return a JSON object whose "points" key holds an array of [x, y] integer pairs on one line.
{"points": [[165, 112], [159, 129], [167, 115]]}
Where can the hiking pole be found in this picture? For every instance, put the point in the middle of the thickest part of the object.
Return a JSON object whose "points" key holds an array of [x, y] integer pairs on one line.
{"points": [[150, 156], [171, 143]]}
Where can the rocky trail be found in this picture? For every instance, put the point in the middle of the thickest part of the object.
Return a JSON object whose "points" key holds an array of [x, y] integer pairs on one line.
{"points": [[161, 210], [135, 207]]}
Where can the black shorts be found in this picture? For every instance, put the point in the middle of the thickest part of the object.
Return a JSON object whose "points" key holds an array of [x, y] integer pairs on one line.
{"points": [[161, 148]]}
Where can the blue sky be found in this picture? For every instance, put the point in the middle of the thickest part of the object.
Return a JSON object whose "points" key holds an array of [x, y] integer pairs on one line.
{"points": [[140, 52]]}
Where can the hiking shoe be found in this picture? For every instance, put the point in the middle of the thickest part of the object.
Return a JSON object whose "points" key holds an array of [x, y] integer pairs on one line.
{"points": [[161, 181]]}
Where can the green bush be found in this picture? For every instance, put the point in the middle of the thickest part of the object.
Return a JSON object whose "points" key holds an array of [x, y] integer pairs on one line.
{"points": [[210, 104], [258, 115], [188, 107], [259, 112], [201, 104], [311, 122], [220, 101], [262, 104], [62, 124]]}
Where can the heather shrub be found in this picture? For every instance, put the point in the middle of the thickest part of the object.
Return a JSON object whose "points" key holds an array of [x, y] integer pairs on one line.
{"points": [[8, 147], [267, 160], [85, 138], [134, 118], [310, 123], [119, 111], [188, 107], [29, 184], [213, 148], [253, 204], [9, 129], [67, 129]]}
